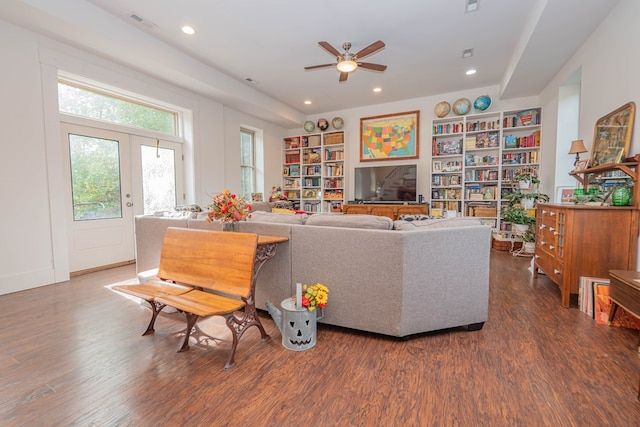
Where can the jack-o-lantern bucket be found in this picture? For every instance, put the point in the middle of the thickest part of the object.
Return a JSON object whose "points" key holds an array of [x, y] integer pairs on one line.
{"points": [[298, 326]]}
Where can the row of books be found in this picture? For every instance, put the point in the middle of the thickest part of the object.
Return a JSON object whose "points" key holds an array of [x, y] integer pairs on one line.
{"points": [[312, 170], [481, 175], [334, 183], [447, 193], [445, 180], [594, 301], [445, 206], [334, 155], [292, 157], [311, 182], [291, 170], [480, 192], [523, 118], [446, 128], [333, 170], [301, 141], [483, 125], [520, 158], [508, 174], [480, 160], [528, 141]]}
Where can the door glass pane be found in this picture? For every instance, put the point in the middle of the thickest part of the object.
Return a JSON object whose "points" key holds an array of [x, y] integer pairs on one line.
{"points": [[95, 178], [158, 179]]}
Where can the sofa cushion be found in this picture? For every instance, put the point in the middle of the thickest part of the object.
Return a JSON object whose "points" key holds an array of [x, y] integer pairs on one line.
{"points": [[436, 223], [188, 208], [351, 221], [260, 206], [280, 218]]}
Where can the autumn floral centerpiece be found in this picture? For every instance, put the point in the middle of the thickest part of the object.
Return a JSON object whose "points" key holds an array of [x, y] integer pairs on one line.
{"points": [[227, 207], [315, 296]]}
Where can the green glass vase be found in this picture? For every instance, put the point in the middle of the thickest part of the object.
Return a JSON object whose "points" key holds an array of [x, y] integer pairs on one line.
{"points": [[621, 196]]}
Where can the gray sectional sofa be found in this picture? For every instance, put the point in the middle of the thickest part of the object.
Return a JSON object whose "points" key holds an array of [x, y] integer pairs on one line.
{"points": [[393, 278]]}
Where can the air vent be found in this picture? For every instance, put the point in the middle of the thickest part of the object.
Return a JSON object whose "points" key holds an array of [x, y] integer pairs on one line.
{"points": [[467, 53], [472, 5], [142, 21]]}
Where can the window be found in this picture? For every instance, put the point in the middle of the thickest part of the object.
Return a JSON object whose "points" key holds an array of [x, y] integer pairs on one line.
{"points": [[247, 163], [93, 103]]}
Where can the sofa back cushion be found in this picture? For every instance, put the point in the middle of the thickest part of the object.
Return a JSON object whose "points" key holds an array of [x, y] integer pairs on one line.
{"points": [[403, 225], [351, 221], [279, 218]]}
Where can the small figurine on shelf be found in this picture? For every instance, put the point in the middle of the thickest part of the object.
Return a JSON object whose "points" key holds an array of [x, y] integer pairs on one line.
{"points": [[276, 194]]}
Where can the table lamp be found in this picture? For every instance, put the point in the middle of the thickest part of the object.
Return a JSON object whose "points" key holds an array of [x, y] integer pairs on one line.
{"points": [[577, 147]]}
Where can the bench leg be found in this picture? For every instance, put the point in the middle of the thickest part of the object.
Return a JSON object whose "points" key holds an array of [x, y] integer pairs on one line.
{"points": [[156, 308], [191, 321], [239, 326]]}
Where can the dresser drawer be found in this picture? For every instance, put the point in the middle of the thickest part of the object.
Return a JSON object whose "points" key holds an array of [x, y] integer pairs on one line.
{"points": [[551, 266], [547, 242]]}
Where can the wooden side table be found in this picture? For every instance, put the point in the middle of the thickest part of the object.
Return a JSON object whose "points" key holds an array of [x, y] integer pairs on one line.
{"points": [[624, 291]]}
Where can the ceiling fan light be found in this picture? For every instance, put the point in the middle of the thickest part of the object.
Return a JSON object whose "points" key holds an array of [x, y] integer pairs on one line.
{"points": [[347, 66]]}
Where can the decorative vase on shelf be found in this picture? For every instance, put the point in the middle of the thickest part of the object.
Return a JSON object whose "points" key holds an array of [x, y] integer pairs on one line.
{"points": [[621, 196]]}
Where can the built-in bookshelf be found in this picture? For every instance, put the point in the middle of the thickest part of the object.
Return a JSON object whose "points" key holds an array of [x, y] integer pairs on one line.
{"points": [[475, 157], [313, 171]]}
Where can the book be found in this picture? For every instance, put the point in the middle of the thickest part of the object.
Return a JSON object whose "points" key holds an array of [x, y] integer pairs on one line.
{"points": [[602, 308]]}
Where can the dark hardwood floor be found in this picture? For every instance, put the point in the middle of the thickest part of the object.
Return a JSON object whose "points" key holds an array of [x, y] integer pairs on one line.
{"points": [[72, 355]]}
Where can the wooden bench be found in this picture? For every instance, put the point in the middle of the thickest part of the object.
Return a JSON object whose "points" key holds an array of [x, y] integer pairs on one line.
{"points": [[204, 273]]}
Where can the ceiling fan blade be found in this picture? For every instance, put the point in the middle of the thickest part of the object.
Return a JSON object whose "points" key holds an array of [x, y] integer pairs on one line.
{"points": [[332, 50], [343, 77], [372, 48], [313, 67], [369, 66]]}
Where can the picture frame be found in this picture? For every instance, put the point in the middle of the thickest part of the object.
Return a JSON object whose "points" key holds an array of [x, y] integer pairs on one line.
{"points": [[256, 197], [581, 165], [437, 166], [565, 195], [390, 137], [612, 136]]}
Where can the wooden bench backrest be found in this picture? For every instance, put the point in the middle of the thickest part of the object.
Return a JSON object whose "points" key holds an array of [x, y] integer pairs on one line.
{"points": [[217, 260]]}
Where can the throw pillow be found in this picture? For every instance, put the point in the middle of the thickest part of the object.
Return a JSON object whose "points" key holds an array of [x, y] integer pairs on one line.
{"points": [[417, 217], [188, 208]]}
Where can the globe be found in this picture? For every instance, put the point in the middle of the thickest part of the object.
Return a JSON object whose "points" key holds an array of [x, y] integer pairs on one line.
{"points": [[442, 108], [482, 103], [462, 106]]}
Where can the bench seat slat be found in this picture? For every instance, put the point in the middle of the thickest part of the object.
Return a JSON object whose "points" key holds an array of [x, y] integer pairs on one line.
{"points": [[202, 303], [150, 290]]}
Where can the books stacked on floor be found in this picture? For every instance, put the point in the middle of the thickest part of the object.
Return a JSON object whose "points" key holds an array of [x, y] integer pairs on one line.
{"points": [[593, 300]]}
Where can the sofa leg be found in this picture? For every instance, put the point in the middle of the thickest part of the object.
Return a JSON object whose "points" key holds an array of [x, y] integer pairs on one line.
{"points": [[474, 326]]}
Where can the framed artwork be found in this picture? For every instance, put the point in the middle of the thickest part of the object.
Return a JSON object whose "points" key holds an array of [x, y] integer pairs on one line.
{"points": [[256, 197], [390, 137], [565, 195], [612, 136], [581, 165], [437, 165]]}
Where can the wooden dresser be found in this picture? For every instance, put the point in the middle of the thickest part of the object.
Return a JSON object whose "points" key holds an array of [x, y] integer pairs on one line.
{"points": [[391, 211], [579, 240]]}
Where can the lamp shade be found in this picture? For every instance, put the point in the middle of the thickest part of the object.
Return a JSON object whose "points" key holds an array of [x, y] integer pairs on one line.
{"points": [[577, 147]]}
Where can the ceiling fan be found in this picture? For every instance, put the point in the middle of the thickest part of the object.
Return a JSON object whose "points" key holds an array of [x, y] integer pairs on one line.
{"points": [[347, 61]]}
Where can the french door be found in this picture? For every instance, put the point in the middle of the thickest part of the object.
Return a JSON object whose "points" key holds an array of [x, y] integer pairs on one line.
{"points": [[110, 178]]}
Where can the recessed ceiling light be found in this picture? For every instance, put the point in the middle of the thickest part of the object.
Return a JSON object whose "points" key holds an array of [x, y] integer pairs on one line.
{"points": [[472, 5], [307, 102], [471, 72], [188, 30], [377, 89], [467, 53]]}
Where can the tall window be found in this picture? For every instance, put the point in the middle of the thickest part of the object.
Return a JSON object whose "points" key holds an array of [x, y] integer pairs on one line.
{"points": [[247, 162], [93, 103]]}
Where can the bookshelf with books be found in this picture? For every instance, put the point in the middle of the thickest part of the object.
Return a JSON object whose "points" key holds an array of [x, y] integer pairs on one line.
{"points": [[313, 171], [491, 147]]}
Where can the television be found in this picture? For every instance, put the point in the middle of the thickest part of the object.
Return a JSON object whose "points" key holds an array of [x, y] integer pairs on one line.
{"points": [[385, 184]]}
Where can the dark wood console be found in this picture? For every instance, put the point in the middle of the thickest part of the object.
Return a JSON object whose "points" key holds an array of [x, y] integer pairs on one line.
{"points": [[391, 211]]}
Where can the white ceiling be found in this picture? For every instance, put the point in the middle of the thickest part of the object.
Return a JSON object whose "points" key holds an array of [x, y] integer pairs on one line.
{"points": [[519, 45]]}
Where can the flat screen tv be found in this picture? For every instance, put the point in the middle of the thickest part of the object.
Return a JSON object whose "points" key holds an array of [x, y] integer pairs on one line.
{"points": [[386, 183]]}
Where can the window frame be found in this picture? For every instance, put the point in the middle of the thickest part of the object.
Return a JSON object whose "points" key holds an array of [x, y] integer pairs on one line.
{"points": [[252, 167]]}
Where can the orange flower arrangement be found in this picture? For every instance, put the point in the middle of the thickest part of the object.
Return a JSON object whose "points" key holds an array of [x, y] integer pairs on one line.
{"points": [[227, 207]]}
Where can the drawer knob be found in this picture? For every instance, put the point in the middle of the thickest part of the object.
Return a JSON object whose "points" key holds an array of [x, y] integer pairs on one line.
{"points": [[555, 233], [542, 226], [542, 242], [544, 212], [537, 256], [551, 247], [555, 271], [552, 214], [551, 228]]}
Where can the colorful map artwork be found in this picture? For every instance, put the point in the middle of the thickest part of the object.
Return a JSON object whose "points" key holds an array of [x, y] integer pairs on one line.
{"points": [[386, 138]]}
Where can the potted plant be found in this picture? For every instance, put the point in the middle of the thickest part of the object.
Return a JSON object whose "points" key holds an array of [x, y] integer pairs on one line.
{"points": [[526, 199], [529, 241], [518, 216], [526, 179]]}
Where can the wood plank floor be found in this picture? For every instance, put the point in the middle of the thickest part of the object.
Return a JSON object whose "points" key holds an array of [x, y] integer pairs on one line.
{"points": [[72, 355]]}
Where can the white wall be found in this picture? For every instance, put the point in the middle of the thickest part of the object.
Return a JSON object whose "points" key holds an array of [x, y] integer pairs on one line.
{"points": [[33, 246]]}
